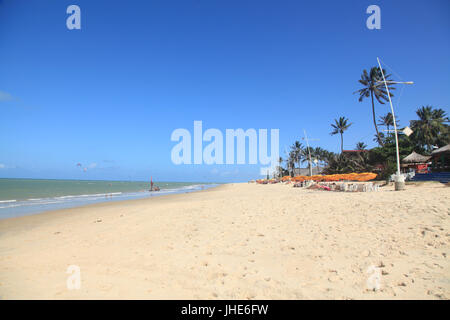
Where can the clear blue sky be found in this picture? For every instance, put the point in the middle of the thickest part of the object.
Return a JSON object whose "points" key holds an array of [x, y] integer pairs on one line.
{"points": [[109, 95]]}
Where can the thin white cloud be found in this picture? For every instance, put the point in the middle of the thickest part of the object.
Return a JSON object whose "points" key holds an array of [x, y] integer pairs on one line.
{"points": [[229, 173], [4, 166], [5, 96], [92, 165]]}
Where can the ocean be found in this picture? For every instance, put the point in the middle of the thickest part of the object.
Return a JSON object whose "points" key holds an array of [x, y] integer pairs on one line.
{"points": [[20, 197]]}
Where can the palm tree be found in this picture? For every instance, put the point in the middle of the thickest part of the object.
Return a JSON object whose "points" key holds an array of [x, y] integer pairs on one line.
{"points": [[297, 150], [374, 87], [431, 128], [380, 139], [387, 121], [342, 163], [321, 155], [290, 163], [307, 151], [327, 156], [280, 167], [339, 127], [361, 146]]}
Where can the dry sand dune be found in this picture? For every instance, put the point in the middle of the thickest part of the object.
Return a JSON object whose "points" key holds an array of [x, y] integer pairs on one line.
{"points": [[237, 241]]}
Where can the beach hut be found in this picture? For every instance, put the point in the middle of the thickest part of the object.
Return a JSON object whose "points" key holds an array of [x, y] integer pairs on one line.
{"points": [[416, 162], [441, 159]]}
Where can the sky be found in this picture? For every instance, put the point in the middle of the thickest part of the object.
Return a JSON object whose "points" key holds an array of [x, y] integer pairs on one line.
{"points": [[109, 96]]}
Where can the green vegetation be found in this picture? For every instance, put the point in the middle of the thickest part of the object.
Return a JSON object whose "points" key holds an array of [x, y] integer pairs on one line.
{"points": [[430, 130]]}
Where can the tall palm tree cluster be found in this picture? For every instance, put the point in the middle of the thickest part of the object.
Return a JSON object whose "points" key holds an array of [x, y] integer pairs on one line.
{"points": [[299, 154], [430, 130]]}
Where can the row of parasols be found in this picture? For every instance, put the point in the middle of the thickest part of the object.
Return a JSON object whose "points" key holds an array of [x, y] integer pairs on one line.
{"points": [[363, 176]]}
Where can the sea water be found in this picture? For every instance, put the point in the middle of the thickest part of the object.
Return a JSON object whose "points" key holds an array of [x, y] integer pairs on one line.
{"points": [[20, 197]]}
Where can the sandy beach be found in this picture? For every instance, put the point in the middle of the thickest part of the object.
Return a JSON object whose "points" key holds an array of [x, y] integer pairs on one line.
{"points": [[236, 241]]}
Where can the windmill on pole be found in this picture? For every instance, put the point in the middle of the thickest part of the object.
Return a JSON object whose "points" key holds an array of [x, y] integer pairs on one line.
{"points": [[399, 179], [309, 150]]}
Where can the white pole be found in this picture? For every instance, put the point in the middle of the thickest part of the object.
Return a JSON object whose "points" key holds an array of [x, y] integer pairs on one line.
{"points": [[393, 117], [309, 151]]}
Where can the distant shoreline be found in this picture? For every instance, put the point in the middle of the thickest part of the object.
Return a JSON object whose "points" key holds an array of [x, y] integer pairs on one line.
{"points": [[24, 196]]}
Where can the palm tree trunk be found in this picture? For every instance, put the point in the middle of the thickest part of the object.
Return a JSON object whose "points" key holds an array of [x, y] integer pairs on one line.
{"points": [[374, 120], [342, 142]]}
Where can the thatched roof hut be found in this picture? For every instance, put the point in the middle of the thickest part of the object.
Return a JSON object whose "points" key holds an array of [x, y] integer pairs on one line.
{"points": [[441, 158], [441, 150], [415, 158]]}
